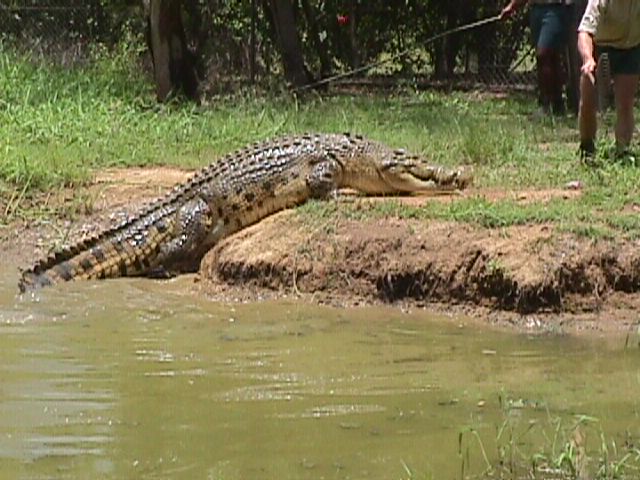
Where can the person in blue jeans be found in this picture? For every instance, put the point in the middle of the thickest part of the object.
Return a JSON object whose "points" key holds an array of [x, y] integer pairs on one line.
{"points": [[551, 23]]}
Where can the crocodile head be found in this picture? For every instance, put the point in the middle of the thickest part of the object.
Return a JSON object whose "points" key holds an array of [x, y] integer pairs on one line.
{"points": [[395, 171], [410, 174]]}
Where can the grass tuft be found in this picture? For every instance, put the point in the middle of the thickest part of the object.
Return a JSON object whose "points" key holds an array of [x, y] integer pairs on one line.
{"points": [[551, 447]]}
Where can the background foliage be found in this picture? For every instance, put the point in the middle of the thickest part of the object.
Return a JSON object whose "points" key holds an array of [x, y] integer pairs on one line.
{"points": [[336, 36]]}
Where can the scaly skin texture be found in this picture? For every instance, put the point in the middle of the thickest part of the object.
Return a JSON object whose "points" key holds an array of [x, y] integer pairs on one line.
{"points": [[172, 234]]}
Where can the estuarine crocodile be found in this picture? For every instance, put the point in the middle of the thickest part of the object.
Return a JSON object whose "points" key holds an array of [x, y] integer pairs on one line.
{"points": [[171, 234]]}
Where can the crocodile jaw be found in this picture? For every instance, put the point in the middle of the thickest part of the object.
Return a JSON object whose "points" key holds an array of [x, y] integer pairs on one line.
{"points": [[416, 178]]}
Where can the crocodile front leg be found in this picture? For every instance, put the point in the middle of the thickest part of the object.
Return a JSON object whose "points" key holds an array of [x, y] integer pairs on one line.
{"points": [[194, 222], [324, 178]]}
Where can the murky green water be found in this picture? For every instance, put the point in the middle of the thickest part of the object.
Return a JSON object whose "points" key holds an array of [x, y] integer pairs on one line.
{"points": [[133, 379]]}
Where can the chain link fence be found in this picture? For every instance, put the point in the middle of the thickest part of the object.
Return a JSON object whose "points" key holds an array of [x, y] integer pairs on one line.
{"points": [[64, 31], [59, 31]]}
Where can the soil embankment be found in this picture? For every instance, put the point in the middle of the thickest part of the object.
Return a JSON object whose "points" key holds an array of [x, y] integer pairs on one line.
{"points": [[528, 275], [531, 276]]}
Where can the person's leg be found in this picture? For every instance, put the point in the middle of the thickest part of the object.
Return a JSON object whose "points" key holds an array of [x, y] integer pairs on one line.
{"points": [[625, 67], [550, 78], [536, 20], [587, 116], [550, 25], [625, 87]]}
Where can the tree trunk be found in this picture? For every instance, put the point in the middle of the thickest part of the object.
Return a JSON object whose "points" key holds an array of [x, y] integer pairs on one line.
{"points": [[456, 15], [319, 39], [173, 63], [252, 51], [281, 13], [353, 38]]}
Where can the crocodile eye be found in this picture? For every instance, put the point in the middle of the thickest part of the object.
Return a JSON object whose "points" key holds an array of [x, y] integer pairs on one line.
{"points": [[408, 163], [389, 164]]}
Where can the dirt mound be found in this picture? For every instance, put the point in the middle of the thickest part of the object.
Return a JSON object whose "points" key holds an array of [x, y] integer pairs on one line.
{"points": [[528, 269]]}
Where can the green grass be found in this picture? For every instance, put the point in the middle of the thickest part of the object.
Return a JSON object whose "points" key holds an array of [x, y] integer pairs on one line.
{"points": [[547, 447], [58, 126]]}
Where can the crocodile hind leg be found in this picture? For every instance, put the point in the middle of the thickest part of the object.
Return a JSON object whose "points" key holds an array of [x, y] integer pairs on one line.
{"points": [[194, 221]]}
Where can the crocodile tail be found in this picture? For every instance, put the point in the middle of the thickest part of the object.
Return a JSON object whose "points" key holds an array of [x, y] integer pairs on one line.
{"points": [[30, 280], [85, 260], [100, 256], [119, 254], [64, 265]]}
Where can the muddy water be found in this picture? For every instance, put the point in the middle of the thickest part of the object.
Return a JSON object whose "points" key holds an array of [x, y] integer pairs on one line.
{"points": [[138, 379]]}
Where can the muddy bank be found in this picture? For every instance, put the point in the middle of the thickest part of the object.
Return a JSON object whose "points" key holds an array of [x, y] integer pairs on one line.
{"points": [[519, 271], [529, 276]]}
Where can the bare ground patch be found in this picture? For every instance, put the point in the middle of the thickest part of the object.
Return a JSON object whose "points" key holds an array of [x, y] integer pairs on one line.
{"points": [[531, 276]]}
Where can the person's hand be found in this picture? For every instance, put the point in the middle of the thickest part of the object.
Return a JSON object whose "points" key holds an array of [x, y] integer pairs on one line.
{"points": [[508, 11], [589, 69]]}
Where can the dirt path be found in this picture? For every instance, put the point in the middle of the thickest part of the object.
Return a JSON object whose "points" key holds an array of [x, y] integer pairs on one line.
{"points": [[530, 277]]}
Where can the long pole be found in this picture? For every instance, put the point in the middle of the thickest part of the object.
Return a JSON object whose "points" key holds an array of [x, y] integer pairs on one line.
{"points": [[364, 68]]}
